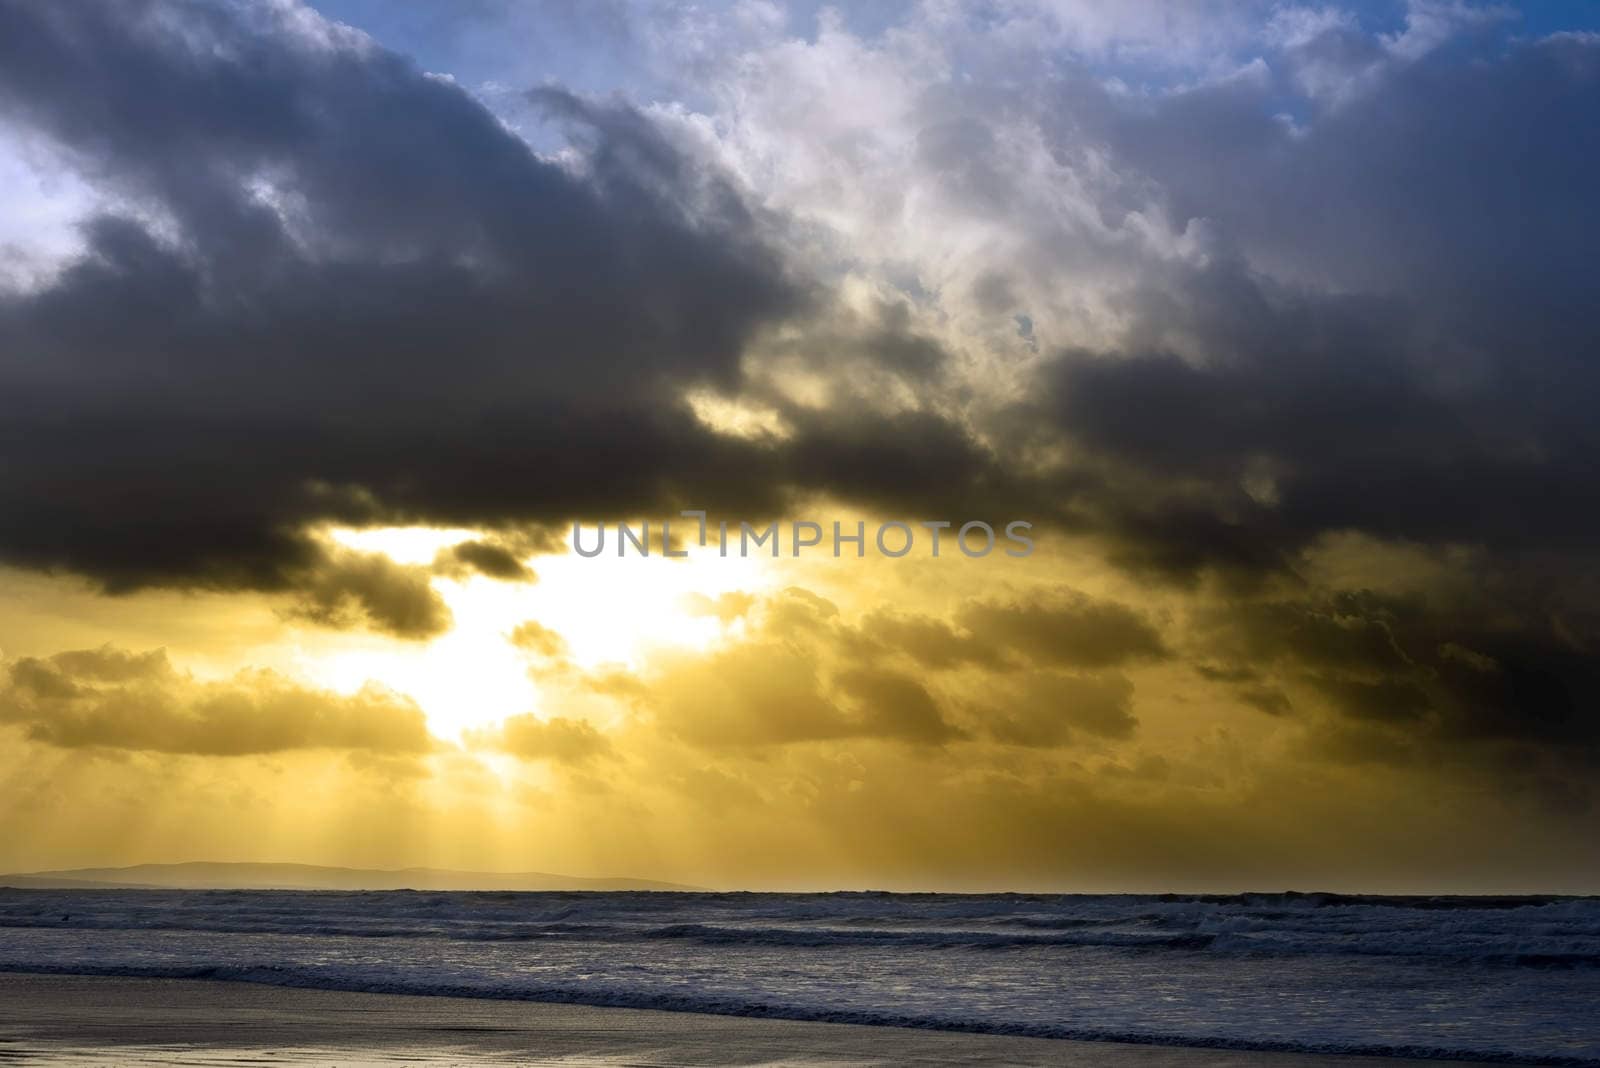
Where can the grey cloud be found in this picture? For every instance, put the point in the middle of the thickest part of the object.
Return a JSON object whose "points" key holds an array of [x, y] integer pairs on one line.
{"points": [[487, 558], [1351, 633], [349, 589], [358, 298], [1390, 333], [338, 289]]}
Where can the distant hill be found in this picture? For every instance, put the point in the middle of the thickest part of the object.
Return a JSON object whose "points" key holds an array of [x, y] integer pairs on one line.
{"points": [[202, 875]]}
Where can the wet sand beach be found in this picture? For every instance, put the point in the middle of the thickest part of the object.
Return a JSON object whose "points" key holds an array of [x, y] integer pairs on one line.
{"points": [[81, 1020]]}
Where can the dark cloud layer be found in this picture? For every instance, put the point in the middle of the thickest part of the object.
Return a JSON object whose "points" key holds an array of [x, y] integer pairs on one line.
{"points": [[350, 589], [487, 558], [330, 287], [1393, 332], [339, 288]]}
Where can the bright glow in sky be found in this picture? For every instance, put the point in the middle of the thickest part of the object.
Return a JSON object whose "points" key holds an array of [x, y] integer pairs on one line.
{"points": [[610, 611]]}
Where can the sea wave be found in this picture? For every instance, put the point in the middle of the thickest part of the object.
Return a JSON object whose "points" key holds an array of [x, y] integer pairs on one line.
{"points": [[1517, 933], [1510, 979], [604, 997]]}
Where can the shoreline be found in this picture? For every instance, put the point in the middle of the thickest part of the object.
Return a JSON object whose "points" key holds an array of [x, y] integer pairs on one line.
{"points": [[92, 1020]]}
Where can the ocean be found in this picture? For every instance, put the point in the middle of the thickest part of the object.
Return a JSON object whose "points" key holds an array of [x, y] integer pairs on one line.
{"points": [[1513, 979]]}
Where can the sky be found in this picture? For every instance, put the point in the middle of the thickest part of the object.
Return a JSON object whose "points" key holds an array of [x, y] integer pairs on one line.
{"points": [[321, 326]]}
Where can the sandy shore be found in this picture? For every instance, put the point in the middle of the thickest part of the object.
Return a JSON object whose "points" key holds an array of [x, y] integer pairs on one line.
{"points": [[97, 1021]]}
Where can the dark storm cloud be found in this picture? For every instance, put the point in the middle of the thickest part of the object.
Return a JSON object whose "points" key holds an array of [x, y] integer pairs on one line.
{"points": [[340, 289], [1351, 633], [487, 558], [908, 462], [349, 589], [1310, 414], [1387, 699], [343, 291], [1394, 332], [335, 288], [111, 699]]}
